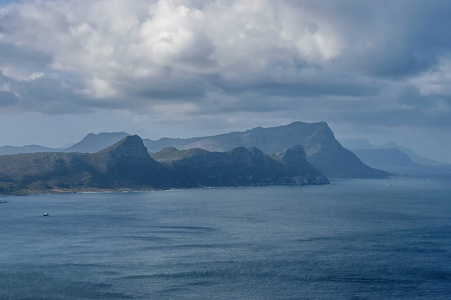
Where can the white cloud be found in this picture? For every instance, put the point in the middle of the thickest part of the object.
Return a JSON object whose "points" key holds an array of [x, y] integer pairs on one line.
{"points": [[435, 81], [120, 46], [204, 58]]}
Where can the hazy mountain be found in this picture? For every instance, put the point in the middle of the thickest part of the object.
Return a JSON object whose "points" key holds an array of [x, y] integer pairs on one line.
{"points": [[6, 150], [89, 144], [416, 158], [359, 143], [127, 164], [385, 158], [240, 166], [65, 146], [96, 142], [321, 147]]}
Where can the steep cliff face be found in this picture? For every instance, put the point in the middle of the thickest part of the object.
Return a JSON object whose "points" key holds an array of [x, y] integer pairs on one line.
{"points": [[318, 140], [96, 142], [296, 164], [128, 161], [129, 150], [327, 154], [293, 156]]}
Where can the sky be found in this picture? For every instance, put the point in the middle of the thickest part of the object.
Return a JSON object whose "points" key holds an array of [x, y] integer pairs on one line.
{"points": [[379, 70]]}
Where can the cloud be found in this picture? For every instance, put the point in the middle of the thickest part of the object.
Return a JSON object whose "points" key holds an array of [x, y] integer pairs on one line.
{"points": [[435, 81], [319, 59], [168, 49], [7, 99]]}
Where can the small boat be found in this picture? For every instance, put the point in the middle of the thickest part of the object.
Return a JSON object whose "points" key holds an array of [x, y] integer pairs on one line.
{"points": [[45, 214]]}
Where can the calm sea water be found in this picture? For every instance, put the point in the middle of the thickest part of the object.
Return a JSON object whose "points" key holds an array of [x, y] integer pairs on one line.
{"points": [[355, 239]]}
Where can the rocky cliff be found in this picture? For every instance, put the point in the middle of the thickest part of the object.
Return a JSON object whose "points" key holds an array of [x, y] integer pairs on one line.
{"points": [[318, 140], [129, 161]]}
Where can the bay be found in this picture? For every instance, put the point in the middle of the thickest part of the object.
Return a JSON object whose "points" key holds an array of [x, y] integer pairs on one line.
{"points": [[352, 239]]}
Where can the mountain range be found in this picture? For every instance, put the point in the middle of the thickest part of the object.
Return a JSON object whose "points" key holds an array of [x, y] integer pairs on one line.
{"points": [[128, 165], [379, 157], [386, 159], [322, 149], [89, 144]]}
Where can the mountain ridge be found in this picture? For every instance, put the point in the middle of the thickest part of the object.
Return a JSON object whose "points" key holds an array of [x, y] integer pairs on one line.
{"points": [[318, 140], [240, 166], [128, 165], [385, 158], [359, 143], [93, 142]]}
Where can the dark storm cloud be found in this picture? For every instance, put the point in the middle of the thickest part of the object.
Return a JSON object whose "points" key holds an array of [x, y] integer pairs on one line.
{"points": [[392, 38]]}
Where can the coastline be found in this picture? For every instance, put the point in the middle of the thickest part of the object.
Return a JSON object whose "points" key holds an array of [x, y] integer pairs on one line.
{"points": [[77, 191], [29, 192]]}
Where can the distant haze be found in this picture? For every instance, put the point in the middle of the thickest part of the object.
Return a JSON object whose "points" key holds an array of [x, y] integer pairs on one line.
{"points": [[379, 70]]}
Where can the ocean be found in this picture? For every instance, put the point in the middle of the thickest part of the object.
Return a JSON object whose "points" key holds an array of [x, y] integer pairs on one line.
{"points": [[352, 239]]}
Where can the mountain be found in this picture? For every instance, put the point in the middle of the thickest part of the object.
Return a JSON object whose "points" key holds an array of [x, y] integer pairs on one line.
{"points": [[128, 165], [89, 144], [7, 150], [385, 158], [322, 149], [128, 161], [416, 158], [96, 142], [357, 143], [45, 171], [239, 166], [295, 161]]}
